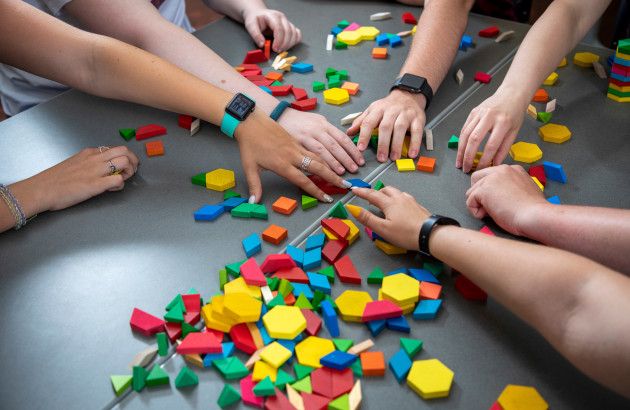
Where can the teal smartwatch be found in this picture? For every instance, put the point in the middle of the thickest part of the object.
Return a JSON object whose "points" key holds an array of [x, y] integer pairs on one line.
{"points": [[237, 110]]}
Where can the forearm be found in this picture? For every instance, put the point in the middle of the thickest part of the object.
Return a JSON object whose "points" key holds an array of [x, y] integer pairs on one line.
{"points": [[235, 9]]}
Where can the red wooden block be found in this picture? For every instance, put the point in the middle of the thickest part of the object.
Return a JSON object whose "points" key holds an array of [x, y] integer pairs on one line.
{"points": [[274, 262], [469, 290], [333, 249], [489, 32], [149, 131], [216, 333], [173, 331], [541, 96], [249, 66], [496, 406], [305, 105], [192, 318], [342, 381], [408, 18], [252, 274], [336, 226], [192, 302], [242, 338], [262, 83], [621, 70], [267, 48], [257, 77], [326, 186], [380, 309], [280, 89], [253, 73], [429, 290], [199, 343], [370, 233], [345, 270], [185, 121], [313, 322], [294, 274], [299, 93], [482, 77], [619, 82], [314, 401], [255, 56], [278, 402], [248, 397], [487, 231], [145, 323], [321, 382], [539, 172]]}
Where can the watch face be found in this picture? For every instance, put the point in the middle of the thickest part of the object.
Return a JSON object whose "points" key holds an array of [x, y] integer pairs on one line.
{"points": [[240, 107], [412, 81]]}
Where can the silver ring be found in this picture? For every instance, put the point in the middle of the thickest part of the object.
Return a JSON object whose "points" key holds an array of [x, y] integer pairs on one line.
{"points": [[306, 161], [101, 148], [112, 167]]}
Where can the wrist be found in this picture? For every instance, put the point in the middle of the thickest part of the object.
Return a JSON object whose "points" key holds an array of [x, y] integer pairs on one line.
{"points": [[426, 232], [514, 94], [530, 220]]}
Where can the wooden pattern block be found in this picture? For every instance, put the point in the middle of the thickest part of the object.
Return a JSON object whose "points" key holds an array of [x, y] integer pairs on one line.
{"points": [[408, 18], [252, 245], [388, 248], [326, 186], [157, 377], [352, 88], [336, 96], [120, 383], [274, 262], [263, 370], [585, 59], [274, 234], [274, 76], [482, 77], [552, 79], [337, 227], [373, 363], [220, 179], [280, 90], [469, 290], [400, 364], [254, 57], [381, 16], [430, 379], [239, 285], [525, 152], [243, 339], [401, 289], [555, 172], [351, 305], [330, 318], [506, 35], [154, 148], [145, 323], [333, 250], [380, 309], [554, 133], [459, 76], [313, 322], [489, 32], [516, 397], [539, 173], [346, 271], [284, 322], [247, 393], [379, 52], [242, 307], [148, 131], [252, 274], [304, 105], [427, 309], [229, 395], [531, 111], [292, 274], [453, 142], [127, 133], [405, 165], [309, 351], [429, 290], [139, 378], [425, 164], [284, 205], [199, 343], [349, 119], [278, 401], [319, 282], [540, 96], [299, 93]]}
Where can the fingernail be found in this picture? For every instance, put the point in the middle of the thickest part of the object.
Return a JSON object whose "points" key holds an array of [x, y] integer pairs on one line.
{"points": [[412, 154], [340, 169], [327, 198], [354, 210], [361, 161], [353, 168], [135, 170], [381, 157], [346, 184], [360, 146], [458, 164], [252, 199]]}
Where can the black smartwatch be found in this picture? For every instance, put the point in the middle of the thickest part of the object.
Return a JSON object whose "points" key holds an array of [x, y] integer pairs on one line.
{"points": [[425, 232], [237, 110], [415, 85]]}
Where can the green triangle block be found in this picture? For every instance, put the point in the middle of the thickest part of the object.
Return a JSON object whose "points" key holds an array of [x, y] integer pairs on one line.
{"points": [[276, 83], [234, 269], [199, 180], [162, 341], [343, 74], [308, 202], [259, 212], [343, 344], [330, 71], [264, 388], [339, 211], [453, 142], [318, 296], [302, 302], [175, 315], [303, 385], [374, 141], [230, 368], [435, 268], [273, 284], [139, 378], [318, 86], [278, 300], [340, 45], [302, 371], [355, 140], [544, 117], [231, 194], [343, 24], [411, 346], [188, 328], [157, 376], [379, 185], [178, 300], [192, 291], [334, 81], [285, 287], [223, 278], [356, 367], [229, 395], [244, 210], [376, 277], [121, 383], [340, 403], [329, 272], [128, 134], [283, 378], [186, 378]]}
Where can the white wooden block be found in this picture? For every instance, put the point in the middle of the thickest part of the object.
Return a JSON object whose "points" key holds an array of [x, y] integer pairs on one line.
{"points": [[329, 42], [364, 346], [428, 139], [194, 126], [355, 396], [599, 69], [405, 33], [266, 294], [143, 357], [254, 358], [348, 119], [294, 397], [551, 106], [459, 76], [381, 16], [506, 35]]}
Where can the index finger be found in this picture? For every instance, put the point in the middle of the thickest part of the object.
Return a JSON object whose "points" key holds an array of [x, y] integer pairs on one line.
{"points": [[378, 198]]}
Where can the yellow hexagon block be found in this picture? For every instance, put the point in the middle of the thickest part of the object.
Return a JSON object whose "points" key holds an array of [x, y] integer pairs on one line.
{"points": [[551, 80], [525, 152], [284, 322], [350, 37], [220, 179], [262, 370], [554, 133], [405, 165], [430, 379], [585, 59], [238, 285], [242, 307], [516, 397], [617, 98], [207, 313], [562, 63], [351, 304], [401, 289], [406, 309], [368, 33], [275, 354], [309, 351], [336, 96]]}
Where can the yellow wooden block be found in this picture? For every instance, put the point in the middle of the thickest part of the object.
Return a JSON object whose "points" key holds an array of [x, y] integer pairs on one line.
{"points": [[476, 160], [562, 63], [617, 98], [220, 179], [284, 322], [350, 37], [413, 30], [309, 351], [218, 311], [351, 304], [525, 152], [388, 248], [622, 55], [617, 88], [262, 370], [541, 186], [531, 111], [401, 289], [329, 235], [405, 165], [585, 59], [430, 379], [516, 397], [242, 307], [375, 132], [354, 231], [554, 133], [551, 80], [194, 359], [336, 96], [275, 354], [256, 335], [406, 308], [405, 146], [367, 33], [238, 285], [210, 321]]}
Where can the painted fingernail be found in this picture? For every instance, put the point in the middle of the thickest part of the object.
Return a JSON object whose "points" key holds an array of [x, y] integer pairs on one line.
{"points": [[346, 184], [354, 210], [328, 198], [381, 157], [252, 199], [360, 146]]}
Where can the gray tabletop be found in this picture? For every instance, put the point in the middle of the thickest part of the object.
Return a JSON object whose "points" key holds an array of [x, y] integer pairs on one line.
{"points": [[71, 278]]}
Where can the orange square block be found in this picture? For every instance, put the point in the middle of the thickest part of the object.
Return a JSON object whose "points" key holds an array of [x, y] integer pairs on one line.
{"points": [[274, 234], [430, 290], [379, 52], [425, 164], [154, 148], [351, 87], [284, 205], [274, 76], [541, 96], [373, 363]]}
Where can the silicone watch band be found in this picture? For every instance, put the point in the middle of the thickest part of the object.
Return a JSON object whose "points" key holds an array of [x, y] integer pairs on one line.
{"points": [[277, 112], [425, 232], [229, 124]]}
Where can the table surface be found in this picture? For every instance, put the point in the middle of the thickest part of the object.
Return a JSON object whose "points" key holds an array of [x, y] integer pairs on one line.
{"points": [[85, 268]]}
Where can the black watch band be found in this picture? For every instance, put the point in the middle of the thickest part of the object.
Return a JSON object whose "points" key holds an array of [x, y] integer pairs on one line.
{"points": [[427, 228], [415, 85]]}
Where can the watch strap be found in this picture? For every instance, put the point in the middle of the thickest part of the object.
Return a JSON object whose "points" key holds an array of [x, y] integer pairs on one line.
{"points": [[277, 112], [426, 90], [427, 228], [229, 124]]}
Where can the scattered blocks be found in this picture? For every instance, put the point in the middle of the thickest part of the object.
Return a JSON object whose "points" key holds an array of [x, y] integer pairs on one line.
{"points": [[252, 245], [453, 142], [351, 304], [220, 179], [284, 322], [395, 41], [411, 346], [430, 379], [427, 309], [380, 309], [301, 68], [208, 213], [349, 37], [506, 35], [285, 205], [154, 148], [555, 172], [308, 202], [312, 349], [373, 363], [516, 397], [405, 165], [382, 39], [543, 117], [459, 76], [426, 164], [148, 131], [379, 52], [145, 323], [352, 88], [330, 318], [338, 360], [531, 111], [381, 16], [489, 32], [349, 119], [275, 354], [304, 105], [400, 365], [483, 77], [336, 96], [540, 96], [552, 79], [554, 133], [127, 134], [120, 383], [539, 173], [401, 289], [585, 59], [408, 18], [299, 93], [255, 57], [229, 395], [346, 271], [274, 234], [525, 152]]}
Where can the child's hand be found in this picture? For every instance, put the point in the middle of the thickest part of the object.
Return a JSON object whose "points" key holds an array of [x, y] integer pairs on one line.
{"points": [[285, 34]]}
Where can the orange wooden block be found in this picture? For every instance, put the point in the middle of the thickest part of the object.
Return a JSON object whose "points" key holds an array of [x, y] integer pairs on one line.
{"points": [[154, 148], [274, 76], [274, 234], [351, 87], [373, 363], [289, 299], [430, 290], [541, 95], [284, 205], [267, 48], [425, 164], [379, 53]]}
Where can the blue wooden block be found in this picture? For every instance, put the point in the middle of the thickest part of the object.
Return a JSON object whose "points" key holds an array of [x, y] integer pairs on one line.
{"points": [[395, 41], [251, 244], [394, 272], [209, 213], [232, 203], [467, 41], [554, 172], [336, 30], [554, 200], [400, 365], [312, 259], [398, 324], [302, 288], [376, 326], [621, 61], [266, 89], [265, 335], [315, 241], [359, 183], [382, 39], [611, 59], [619, 77], [296, 254], [301, 68], [319, 282], [330, 318], [423, 275], [427, 309], [338, 360], [296, 339], [228, 350], [376, 236]]}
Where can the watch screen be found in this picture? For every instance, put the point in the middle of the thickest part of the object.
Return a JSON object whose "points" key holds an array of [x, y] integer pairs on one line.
{"points": [[413, 81], [240, 107]]}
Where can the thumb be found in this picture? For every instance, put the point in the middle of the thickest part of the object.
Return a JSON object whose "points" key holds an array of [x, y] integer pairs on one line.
{"points": [[367, 218], [254, 183]]}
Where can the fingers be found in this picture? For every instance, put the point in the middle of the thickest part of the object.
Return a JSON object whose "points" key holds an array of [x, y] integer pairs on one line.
{"points": [[123, 166], [370, 220], [255, 31], [401, 125], [322, 170], [378, 198], [346, 148], [356, 124], [369, 123], [301, 180], [474, 141], [278, 32], [110, 183], [500, 129], [504, 149], [252, 175], [416, 128], [474, 206], [326, 155], [471, 123]]}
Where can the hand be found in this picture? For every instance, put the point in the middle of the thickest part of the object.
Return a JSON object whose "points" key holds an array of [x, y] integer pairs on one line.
{"points": [[500, 116], [403, 216], [507, 194], [393, 115], [317, 135], [264, 144], [285, 34]]}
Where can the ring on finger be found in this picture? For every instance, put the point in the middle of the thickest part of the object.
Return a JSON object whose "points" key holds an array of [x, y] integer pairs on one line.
{"points": [[112, 167], [102, 148], [306, 161]]}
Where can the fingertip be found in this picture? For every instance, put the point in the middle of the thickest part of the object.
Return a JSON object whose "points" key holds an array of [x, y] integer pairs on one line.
{"points": [[354, 210]]}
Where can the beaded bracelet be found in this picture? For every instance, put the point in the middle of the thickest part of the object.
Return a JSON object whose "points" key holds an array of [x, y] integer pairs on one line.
{"points": [[14, 206]]}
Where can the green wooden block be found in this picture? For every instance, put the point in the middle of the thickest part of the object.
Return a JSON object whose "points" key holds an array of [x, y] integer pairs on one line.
{"points": [[544, 117], [188, 328], [231, 194], [243, 210], [435, 268], [374, 141], [278, 300], [282, 378], [264, 388], [230, 368], [343, 74], [139, 377], [453, 142], [330, 72], [302, 371], [175, 315], [223, 278], [411, 346], [276, 83], [178, 300], [157, 377], [356, 367], [334, 81], [623, 46], [229, 395], [338, 211], [355, 140], [329, 272], [273, 285], [120, 383], [318, 296], [308, 202], [379, 185], [340, 403], [303, 385], [302, 302], [259, 211], [199, 180], [128, 134], [343, 24], [162, 341], [619, 94], [285, 287], [317, 86], [343, 344], [340, 45], [186, 378], [332, 303], [234, 269], [376, 277]]}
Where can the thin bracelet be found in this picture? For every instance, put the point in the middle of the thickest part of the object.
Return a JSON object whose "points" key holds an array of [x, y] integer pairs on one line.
{"points": [[277, 112], [14, 205], [9, 202]]}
